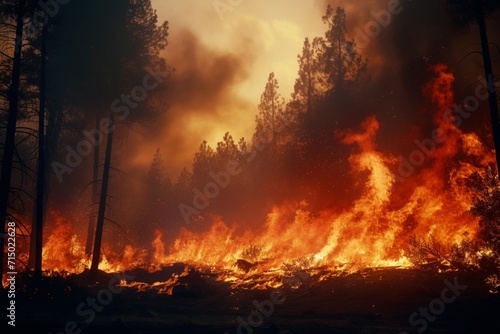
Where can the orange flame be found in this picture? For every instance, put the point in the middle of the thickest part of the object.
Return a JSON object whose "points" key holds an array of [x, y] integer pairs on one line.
{"points": [[372, 232]]}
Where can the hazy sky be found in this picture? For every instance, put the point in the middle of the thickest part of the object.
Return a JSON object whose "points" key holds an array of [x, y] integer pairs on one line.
{"points": [[228, 59], [275, 30], [222, 64]]}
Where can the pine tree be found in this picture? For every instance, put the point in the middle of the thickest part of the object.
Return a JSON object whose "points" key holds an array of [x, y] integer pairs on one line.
{"points": [[157, 198], [41, 168], [13, 110], [149, 39], [203, 164], [343, 64], [184, 182], [310, 85], [227, 150], [158, 182], [305, 83], [156, 172], [270, 120]]}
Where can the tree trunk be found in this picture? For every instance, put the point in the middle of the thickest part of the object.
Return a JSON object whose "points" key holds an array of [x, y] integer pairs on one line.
{"points": [[102, 202], [495, 121], [40, 184], [309, 88], [273, 126], [95, 177], [10, 140], [340, 74]]}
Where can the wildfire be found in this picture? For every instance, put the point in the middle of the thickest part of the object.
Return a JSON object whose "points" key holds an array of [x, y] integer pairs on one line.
{"points": [[63, 251], [372, 232]]}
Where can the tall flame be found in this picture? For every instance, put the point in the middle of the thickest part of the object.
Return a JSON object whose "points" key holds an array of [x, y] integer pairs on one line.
{"points": [[373, 231]]}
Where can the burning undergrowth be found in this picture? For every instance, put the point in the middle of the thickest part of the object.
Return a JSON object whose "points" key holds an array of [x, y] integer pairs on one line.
{"points": [[398, 220]]}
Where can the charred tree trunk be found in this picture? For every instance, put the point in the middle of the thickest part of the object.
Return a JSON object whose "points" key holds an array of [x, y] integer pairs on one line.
{"points": [[102, 202], [6, 173], [273, 128], [95, 177], [492, 98], [40, 184]]}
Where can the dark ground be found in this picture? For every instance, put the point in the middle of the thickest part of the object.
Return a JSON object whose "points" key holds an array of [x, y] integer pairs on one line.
{"points": [[370, 301]]}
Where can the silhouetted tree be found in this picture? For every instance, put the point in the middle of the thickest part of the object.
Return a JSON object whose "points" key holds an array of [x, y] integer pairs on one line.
{"points": [[310, 84], [41, 169], [228, 154], [227, 151], [203, 163], [182, 186], [464, 13], [156, 174], [310, 89], [18, 10], [148, 39], [155, 201], [95, 194], [270, 120], [31, 47], [343, 64]]}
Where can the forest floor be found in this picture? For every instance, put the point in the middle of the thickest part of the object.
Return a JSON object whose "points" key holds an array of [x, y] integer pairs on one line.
{"points": [[387, 300]]}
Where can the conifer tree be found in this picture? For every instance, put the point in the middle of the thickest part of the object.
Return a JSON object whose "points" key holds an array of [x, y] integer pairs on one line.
{"points": [[343, 63]]}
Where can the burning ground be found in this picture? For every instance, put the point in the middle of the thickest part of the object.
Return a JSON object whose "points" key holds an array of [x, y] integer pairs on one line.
{"points": [[394, 205], [365, 269]]}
